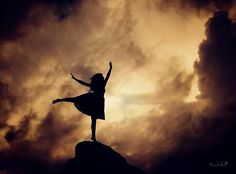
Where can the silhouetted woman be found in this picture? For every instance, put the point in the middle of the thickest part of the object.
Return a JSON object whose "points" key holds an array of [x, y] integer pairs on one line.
{"points": [[91, 103]]}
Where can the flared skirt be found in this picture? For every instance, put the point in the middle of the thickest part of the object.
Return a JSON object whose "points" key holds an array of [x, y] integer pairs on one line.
{"points": [[91, 104]]}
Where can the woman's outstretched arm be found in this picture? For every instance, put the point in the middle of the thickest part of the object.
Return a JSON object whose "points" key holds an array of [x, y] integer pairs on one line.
{"points": [[108, 73], [80, 81]]}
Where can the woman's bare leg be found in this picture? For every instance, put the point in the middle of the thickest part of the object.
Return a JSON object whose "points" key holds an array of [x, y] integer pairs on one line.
{"points": [[68, 99], [93, 128]]}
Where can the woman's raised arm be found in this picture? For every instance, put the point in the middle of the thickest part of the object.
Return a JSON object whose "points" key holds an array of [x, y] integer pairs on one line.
{"points": [[108, 73], [80, 81]]}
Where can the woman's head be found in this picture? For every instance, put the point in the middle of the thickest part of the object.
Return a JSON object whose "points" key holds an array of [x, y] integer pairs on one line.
{"points": [[97, 80], [97, 77]]}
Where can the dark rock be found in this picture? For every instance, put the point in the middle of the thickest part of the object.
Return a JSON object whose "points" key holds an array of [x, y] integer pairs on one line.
{"points": [[95, 157]]}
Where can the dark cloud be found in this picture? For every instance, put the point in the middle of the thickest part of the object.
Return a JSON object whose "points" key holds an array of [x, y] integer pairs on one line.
{"points": [[5, 103], [207, 138], [14, 13], [209, 142], [218, 4], [34, 155], [208, 5], [216, 67], [21, 132]]}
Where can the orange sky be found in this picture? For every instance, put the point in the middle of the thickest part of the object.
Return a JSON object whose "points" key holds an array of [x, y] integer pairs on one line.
{"points": [[152, 82]]}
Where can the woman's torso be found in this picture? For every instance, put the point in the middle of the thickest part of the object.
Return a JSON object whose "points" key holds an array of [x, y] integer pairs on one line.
{"points": [[98, 89]]}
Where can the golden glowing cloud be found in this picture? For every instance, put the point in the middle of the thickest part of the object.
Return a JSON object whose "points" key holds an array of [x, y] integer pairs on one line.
{"points": [[152, 51]]}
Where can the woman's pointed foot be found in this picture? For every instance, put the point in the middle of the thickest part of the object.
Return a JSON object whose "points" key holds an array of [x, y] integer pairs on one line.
{"points": [[93, 139], [56, 101]]}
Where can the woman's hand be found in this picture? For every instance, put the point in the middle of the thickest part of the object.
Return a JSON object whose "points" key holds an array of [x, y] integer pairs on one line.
{"points": [[110, 64], [72, 76]]}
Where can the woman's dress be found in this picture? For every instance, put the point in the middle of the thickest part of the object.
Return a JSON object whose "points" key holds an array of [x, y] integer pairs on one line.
{"points": [[92, 103]]}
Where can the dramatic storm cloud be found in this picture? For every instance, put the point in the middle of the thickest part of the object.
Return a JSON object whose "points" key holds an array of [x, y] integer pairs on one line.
{"points": [[208, 5], [170, 100], [209, 136]]}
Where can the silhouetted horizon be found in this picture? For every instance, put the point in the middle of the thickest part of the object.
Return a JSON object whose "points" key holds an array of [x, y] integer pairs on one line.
{"points": [[95, 157]]}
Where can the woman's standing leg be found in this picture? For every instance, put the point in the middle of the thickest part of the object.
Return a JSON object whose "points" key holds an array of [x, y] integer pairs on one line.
{"points": [[93, 128]]}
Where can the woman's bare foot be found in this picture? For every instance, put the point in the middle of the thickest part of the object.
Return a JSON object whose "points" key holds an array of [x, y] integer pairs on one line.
{"points": [[56, 101], [93, 139]]}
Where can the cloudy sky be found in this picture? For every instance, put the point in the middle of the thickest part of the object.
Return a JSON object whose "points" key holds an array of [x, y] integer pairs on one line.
{"points": [[171, 92]]}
